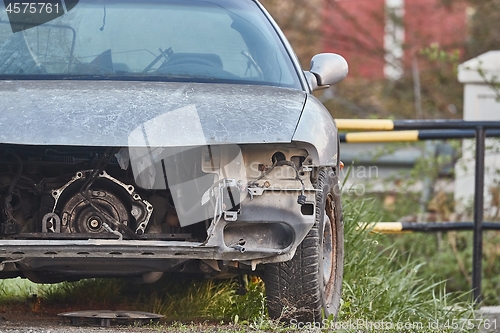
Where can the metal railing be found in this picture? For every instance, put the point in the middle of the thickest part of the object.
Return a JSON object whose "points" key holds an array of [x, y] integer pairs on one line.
{"points": [[385, 130]]}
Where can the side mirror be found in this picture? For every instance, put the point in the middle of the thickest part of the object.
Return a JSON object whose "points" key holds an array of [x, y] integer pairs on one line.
{"points": [[326, 70]]}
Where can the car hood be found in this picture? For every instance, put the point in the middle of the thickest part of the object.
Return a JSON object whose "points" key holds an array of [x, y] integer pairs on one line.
{"points": [[131, 113]]}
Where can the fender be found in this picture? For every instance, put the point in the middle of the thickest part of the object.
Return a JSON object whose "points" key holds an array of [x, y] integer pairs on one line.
{"points": [[317, 128]]}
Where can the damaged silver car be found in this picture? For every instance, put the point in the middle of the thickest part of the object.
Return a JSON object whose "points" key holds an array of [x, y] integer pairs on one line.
{"points": [[153, 136]]}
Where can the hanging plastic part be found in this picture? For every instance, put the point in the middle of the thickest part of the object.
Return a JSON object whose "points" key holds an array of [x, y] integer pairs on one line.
{"points": [[226, 197], [231, 200]]}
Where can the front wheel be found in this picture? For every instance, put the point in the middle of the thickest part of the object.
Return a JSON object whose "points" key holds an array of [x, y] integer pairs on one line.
{"points": [[308, 287]]}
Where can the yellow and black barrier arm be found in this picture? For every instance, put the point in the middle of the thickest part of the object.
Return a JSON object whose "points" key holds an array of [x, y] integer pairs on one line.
{"points": [[403, 227], [414, 135], [401, 125], [386, 130]]}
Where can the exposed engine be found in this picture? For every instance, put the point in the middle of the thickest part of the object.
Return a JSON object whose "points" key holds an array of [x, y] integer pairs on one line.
{"points": [[64, 192], [108, 201]]}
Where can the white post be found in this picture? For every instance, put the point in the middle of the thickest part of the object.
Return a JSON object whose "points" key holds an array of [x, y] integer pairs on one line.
{"points": [[394, 38], [481, 102]]}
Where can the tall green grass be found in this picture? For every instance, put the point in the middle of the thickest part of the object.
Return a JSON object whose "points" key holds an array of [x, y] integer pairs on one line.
{"points": [[16, 289], [382, 285]]}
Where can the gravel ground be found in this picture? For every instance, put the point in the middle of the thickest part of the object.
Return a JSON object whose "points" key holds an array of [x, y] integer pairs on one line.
{"points": [[49, 323], [71, 329], [30, 322]]}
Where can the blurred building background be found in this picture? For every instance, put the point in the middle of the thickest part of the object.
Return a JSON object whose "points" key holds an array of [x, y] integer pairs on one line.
{"points": [[383, 38]]}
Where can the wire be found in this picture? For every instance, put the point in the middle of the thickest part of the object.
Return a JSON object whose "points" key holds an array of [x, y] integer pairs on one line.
{"points": [[84, 191], [280, 163], [251, 183], [103, 19]]}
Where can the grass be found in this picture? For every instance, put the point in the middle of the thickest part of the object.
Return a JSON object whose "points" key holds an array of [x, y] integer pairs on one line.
{"points": [[16, 289], [177, 299], [449, 257], [446, 256], [380, 285]]}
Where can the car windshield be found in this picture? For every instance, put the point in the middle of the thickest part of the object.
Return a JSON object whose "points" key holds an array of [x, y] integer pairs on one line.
{"points": [[190, 40]]}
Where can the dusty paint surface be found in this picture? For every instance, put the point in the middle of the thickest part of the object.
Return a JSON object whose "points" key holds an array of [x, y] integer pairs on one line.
{"points": [[105, 113]]}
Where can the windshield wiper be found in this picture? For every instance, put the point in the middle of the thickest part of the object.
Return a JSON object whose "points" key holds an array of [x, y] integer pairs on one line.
{"points": [[163, 54]]}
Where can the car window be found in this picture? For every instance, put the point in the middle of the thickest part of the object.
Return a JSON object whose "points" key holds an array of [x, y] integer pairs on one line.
{"points": [[193, 40]]}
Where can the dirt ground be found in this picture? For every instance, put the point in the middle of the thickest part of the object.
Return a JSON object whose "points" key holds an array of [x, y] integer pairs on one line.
{"points": [[27, 321], [17, 322]]}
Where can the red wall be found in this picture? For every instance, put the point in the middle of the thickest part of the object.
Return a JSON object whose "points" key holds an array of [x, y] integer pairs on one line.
{"points": [[428, 22], [355, 29]]}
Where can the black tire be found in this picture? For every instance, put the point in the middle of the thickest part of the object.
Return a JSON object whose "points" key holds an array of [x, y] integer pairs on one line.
{"points": [[308, 287]]}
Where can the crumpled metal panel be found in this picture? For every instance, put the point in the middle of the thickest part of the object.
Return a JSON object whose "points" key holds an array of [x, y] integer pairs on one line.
{"points": [[105, 113]]}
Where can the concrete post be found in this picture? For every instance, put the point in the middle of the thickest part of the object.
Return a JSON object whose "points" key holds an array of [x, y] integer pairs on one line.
{"points": [[481, 102]]}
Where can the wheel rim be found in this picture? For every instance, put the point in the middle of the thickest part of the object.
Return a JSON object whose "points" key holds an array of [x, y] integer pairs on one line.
{"points": [[328, 248]]}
